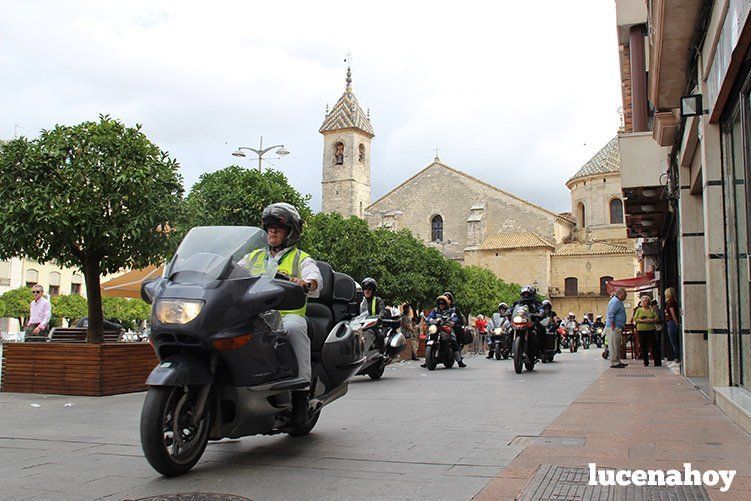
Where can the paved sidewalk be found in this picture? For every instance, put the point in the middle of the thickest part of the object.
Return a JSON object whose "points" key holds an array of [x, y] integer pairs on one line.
{"points": [[635, 418]]}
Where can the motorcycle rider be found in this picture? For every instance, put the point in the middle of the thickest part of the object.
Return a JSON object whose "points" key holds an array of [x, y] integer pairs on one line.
{"points": [[442, 309], [548, 312], [529, 299], [598, 324], [458, 329], [496, 322], [373, 305], [283, 224]]}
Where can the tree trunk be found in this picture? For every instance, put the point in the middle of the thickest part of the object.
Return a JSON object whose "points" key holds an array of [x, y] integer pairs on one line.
{"points": [[91, 272]]}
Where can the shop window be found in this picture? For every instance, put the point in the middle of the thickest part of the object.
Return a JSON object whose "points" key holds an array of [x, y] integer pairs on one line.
{"points": [[32, 278], [616, 211], [4, 272], [436, 225], [604, 285], [572, 286]]}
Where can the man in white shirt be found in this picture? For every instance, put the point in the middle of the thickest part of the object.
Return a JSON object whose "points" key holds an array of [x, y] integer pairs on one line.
{"points": [[40, 313]]}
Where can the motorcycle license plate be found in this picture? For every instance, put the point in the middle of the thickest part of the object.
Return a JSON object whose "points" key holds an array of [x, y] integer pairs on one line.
{"points": [[430, 343]]}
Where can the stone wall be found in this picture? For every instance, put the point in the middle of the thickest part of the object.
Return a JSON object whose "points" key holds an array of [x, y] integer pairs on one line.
{"points": [[588, 269], [596, 193], [519, 266], [440, 190], [346, 187]]}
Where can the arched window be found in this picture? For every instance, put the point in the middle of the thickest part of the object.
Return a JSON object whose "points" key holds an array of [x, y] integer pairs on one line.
{"points": [[75, 284], [572, 286], [581, 214], [338, 153], [54, 283], [616, 211], [604, 285], [32, 278], [361, 153], [436, 226], [4, 272]]}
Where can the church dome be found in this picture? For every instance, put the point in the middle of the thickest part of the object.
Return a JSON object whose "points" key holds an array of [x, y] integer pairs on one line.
{"points": [[606, 161]]}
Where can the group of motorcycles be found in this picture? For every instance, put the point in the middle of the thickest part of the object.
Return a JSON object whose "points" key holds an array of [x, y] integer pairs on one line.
{"points": [[575, 335]]}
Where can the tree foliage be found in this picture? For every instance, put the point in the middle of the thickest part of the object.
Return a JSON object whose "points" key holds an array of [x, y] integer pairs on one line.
{"points": [[127, 312], [71, 307], [90, 196], [479, 291], [15, 304], [235, 196]]}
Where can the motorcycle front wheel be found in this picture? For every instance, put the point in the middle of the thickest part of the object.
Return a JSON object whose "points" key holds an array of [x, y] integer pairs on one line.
{"points": [[498, 354], [430, 361], [518, 355], [377, 371], [171, 442]]}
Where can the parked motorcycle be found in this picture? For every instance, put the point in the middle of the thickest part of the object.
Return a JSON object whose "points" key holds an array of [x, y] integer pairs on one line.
{"points": [[438, 347], [585, 331], [524, 346], [226, 367], [383, 342]]}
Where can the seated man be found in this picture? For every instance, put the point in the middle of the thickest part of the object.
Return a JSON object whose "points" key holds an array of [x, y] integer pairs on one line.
{"points": [[283, 224]]}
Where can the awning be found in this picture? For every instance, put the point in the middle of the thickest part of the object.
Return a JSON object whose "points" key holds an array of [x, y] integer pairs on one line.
{"points": [[637, 284], [129, 284]]}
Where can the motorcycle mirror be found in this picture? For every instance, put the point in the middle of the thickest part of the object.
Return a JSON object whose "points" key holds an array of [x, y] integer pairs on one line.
{"points": [[148, 289]]}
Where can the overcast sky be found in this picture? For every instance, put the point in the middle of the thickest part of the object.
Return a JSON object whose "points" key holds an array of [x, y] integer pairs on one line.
{"points": [[519, 94]]}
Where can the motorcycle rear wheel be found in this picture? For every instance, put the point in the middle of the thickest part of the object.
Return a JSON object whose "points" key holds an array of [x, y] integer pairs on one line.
{"points": [[530, 366], [430, 361], [448, 362], [167, 411], [376, 372], [518, 355], [305, 428]]}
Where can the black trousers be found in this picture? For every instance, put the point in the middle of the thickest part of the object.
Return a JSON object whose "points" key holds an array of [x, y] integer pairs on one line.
{"points": [[649, 340]]}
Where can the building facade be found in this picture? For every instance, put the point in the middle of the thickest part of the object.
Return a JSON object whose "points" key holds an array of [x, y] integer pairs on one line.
{"points": [[686, 85]]}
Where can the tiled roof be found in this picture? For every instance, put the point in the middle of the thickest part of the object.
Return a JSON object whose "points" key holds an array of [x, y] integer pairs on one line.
{"points": [[606, 161], [596, 248], [347, 114], [514, 241]]}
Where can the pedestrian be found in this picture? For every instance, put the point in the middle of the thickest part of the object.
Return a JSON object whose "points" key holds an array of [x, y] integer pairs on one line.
{"points": [[409, 329], [40, 313], [481, 325], [646, 320], [672, 324], [614, 322]]}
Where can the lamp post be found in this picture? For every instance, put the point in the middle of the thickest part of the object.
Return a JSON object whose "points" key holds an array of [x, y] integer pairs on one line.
{"points": [[261, 151]]}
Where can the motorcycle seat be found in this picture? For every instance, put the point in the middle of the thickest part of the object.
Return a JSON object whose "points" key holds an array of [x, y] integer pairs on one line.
{"points": [[331, 306]]}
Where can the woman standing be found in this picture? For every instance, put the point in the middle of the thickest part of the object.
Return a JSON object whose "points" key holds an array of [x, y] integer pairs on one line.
{"points": [[672, 322], [409, 329], [646, 321]]}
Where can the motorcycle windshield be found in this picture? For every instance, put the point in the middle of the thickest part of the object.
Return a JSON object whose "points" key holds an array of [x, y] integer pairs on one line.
{"points": [[209, 252], [521, 310]]}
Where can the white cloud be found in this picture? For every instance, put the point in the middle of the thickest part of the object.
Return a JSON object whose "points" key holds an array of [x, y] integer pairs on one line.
{"points": [[518, 94]]}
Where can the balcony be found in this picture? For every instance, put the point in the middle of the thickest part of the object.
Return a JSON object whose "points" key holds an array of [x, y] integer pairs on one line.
{"points": [[643, 167], [672, 23], [629, 13]]}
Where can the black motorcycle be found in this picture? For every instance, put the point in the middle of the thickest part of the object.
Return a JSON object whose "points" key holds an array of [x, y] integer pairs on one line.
{"points": [[524, 346], [226, 367], [500, 341], [383, 342], [549, 346], [438, 347], [599, 336]]}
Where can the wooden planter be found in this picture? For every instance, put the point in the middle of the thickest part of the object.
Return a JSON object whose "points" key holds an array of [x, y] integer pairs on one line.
{"points": [[76, 368]]}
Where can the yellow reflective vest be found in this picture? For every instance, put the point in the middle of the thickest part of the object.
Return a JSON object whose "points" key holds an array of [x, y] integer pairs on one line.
{"points": [[289, 265]]}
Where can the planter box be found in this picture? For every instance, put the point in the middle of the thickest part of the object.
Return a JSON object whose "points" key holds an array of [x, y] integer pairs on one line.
{"points": [[76, 368]]}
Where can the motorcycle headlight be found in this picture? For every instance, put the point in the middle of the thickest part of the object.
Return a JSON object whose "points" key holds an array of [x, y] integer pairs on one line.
{"points": [[518, 319], [178, 311], [432, 329], [497, 330]]}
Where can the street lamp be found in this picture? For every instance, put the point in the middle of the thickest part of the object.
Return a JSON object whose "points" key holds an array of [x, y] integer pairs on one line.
{"points": [[261, 151]]}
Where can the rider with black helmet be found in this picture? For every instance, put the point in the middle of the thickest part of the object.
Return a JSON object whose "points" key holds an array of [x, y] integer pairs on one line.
{"points": [[283, 224], [496, 322], [458, 329], [547, 311], [371, 303], [443, 308]]}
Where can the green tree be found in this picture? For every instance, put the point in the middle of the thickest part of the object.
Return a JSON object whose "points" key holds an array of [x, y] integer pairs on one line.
{"points": [[71, 307], [480, 291], [346, 244], [127, 312], [15, 304], [90, 196], [235, 196]]}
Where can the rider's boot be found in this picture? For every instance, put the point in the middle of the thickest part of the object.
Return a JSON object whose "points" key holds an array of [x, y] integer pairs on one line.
{"points": [[458, 357], [490, 353]]}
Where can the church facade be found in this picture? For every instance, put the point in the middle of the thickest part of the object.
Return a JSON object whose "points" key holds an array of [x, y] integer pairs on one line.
{"points": [[568, 256]]}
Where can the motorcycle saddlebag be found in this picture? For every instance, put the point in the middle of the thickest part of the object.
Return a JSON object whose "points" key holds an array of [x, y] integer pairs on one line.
{"points": [[468, 336]]}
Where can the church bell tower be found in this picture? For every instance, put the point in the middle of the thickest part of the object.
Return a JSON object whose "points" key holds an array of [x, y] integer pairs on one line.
{"points": [[347, 135]]}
